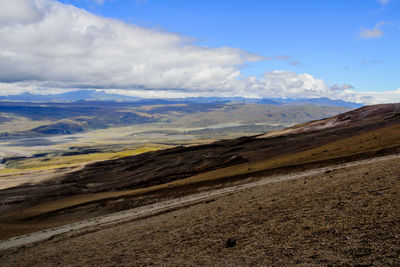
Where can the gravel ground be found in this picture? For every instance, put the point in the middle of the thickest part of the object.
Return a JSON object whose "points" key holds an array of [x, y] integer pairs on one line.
{"points": [[342, 216]]}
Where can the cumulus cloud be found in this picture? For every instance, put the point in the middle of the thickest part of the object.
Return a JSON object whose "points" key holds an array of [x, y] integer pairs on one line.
{"points": [[19, 12], [286, 84], [290, 84], [75, 48], [47, 46]]}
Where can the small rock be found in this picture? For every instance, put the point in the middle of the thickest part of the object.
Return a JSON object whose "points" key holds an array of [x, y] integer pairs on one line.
{"points": [[230, 243]]}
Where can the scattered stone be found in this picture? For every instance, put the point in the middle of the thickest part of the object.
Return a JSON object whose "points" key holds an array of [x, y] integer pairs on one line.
{"points": [[210, 200], [230, 243]]}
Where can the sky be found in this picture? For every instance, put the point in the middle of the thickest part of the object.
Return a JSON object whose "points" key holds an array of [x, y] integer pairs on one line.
{"points": [[343, 49]]}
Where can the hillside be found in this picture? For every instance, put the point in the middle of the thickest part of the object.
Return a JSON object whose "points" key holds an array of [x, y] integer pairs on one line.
{"points": [[344, 216], [28, 129], [114, 185], [90, 115]]}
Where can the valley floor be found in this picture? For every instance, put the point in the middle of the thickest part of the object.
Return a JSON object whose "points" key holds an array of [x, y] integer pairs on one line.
{"points": [[337, 216]]}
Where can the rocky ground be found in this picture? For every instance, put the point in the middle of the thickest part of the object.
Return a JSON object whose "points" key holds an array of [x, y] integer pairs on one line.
{"points": [[347, 216]]}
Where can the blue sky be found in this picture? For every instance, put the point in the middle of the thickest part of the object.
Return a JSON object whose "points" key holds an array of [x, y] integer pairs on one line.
{"points": [[322, 37], [344, 49]]}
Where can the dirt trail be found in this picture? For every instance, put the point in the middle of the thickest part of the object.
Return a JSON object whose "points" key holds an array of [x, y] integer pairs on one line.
{"points": [[156, 208]]}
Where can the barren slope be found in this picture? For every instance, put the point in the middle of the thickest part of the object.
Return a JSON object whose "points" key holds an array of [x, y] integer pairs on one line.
{"points": [[114, 185], [341, 217]]}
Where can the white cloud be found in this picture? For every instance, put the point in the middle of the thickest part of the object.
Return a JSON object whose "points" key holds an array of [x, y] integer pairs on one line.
{"points": [[47, 46], [290, 84], [19, 12], [392, 96], [75, 48], [375, 32]]}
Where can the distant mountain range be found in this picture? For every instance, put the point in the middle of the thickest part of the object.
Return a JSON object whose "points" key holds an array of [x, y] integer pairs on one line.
{"points": [[69, 97], [93, 95]]}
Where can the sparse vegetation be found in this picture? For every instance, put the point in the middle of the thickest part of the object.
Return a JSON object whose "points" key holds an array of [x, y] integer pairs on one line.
{"points": [[351, 147], [45, 163]]}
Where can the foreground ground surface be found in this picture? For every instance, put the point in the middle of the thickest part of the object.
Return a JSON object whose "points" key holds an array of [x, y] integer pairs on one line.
{"points": [[339, 216]]}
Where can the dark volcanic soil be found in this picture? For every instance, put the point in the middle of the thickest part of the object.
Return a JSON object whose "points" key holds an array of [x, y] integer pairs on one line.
{"points": [[343, 217]]}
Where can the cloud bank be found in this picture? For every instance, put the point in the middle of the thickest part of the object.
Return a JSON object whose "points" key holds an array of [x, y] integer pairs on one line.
{"points": [[73, 48], [49, 46]]}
